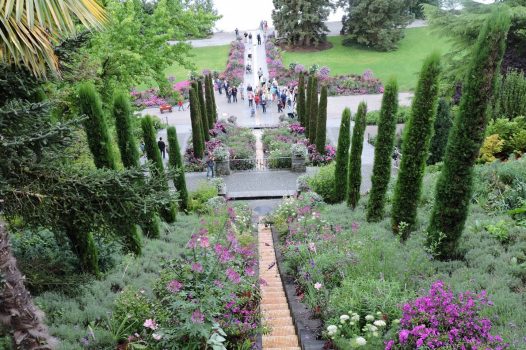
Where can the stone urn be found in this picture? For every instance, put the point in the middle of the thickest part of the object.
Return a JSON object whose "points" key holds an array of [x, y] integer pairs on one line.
{"points": [[299, 156], [223, 167]]}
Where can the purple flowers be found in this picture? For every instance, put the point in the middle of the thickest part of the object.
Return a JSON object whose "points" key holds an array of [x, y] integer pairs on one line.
{"points": [[233, 276], [198, 317], [296, 129], [443, 319], [174, 286]]}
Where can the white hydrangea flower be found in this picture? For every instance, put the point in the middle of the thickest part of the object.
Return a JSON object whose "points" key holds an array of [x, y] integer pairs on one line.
{"points": [[332, 329], [369, 318], [360, 341], [379, 323], [355, 317], [344, 318]]}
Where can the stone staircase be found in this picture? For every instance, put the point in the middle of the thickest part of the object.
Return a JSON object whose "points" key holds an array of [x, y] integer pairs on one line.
{"points": [[274, 305]]}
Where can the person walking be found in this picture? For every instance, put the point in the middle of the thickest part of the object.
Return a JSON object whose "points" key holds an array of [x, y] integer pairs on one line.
{"points": [[250, 38], [234, 94], [162, 146], [237, 33], [260, 73], [246, 35], [143, 147], [250, 96], [209, 165], [180, 105], [220, 86], [264, 103], [257, 99], [229, 94], [280, 106], [259, 39], [241, 91]]}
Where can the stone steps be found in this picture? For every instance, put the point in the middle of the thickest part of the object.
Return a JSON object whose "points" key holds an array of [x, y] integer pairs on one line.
{"points": [[274, 305]]}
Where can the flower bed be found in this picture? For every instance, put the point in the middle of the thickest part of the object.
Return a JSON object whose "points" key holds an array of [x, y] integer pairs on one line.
{"points": [[277, 146], [342, 85], [372, 291], [205, 297], [235, 67], [228, 140]]}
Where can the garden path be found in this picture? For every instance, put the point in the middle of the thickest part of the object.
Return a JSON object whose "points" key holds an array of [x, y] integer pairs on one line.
{"points": [[274, 306]]}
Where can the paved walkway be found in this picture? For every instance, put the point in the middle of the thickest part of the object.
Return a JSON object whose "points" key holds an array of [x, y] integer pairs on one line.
{"points": [[274, 305]]}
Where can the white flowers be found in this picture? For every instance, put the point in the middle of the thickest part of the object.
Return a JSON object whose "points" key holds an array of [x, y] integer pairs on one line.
{"points": [[355, 317], [369, 318], [379, 323], [344, 318], [332, 330], [317, 285], [360, 341]]}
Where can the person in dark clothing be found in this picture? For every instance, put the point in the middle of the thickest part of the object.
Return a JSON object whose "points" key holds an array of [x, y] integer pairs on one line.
{"points": [[246, 35], [237, 32], [259, 39], [234, 94], [250, 38], [280, 106], [162, 146], [220, 87], [229, 94], [264, 105]]}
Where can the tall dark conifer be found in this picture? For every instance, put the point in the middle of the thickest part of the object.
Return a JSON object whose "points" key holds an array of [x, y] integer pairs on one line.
{"points": [[342, 156], [308, 106], [313, 111], [301, 99], [213, 98], [197, 134], [210, 107], [202, 109], [168, 212], [454, 186], [176, 162], [443, 122], [321, 123], [383, 149], [415, 148], [355, 157]]}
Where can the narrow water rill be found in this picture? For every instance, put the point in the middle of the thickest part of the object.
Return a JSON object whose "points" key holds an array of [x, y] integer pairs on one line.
{"points": [[274, 306]]}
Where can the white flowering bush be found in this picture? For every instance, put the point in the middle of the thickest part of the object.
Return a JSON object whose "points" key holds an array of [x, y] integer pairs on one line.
{"points": [[221, 154], [299, 150], [353, 330]]}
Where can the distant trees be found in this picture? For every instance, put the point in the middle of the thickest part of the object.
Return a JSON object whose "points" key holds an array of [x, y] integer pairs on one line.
{"points": [[301, 22], [378, 24], [355, 157], [342, 156]]}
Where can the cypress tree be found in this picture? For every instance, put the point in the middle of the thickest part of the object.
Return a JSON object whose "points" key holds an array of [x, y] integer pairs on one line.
{"points": [[210, 111], [383, 149], [355, 157], [443, 122], [202, 109], [342, 156], [214, 114], [415, 147], [306, 117], [301, 99], [454, 186], [197, 135], [176, 162], [313, 110], [321, 128], [129, 156], [99, 141], [154, 155]]}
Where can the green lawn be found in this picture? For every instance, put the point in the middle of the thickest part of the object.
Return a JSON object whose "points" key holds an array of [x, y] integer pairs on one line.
{"points": [[403, 63], [213, 58]]}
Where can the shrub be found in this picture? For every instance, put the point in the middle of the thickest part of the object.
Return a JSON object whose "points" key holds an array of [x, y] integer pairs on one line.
{"points": [[195, 117], [355, 157], [490, 148], [510, 101], [321, 126], [518, 142], [323, 183], [443, 319], [342, 156], [301, 99], [506, 129], [176, 162], [199, 197]]}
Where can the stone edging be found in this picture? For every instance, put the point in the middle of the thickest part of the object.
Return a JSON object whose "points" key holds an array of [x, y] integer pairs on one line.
{"points": [[304, 322]]}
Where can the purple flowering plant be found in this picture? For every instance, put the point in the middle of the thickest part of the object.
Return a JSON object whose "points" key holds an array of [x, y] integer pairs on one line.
{"points": [[443, 319]]}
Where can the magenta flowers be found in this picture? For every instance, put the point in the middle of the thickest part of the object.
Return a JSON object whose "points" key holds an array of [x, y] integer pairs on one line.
{"points": [[442, 319]]}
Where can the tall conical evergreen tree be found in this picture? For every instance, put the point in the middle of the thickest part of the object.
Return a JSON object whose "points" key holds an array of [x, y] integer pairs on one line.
{"points": [[213, 98], [176, 162], [443, 122], [202, 109], [129, 156], [321, 126], [355, 157], [383, 149], [454, 186], [415, 147], [342, 156], [197, 134], [308, 106], [301, 99], [99, 140], [210, 108], [153, 154], [198, 97], [313, 111]]}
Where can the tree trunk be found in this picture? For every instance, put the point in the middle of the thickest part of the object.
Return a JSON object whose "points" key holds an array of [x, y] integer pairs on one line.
{"points": [[17, 311]]}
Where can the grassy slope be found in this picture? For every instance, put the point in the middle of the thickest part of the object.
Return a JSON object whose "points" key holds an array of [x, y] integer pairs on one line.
{"points": [[213, 58], [404, 63]]}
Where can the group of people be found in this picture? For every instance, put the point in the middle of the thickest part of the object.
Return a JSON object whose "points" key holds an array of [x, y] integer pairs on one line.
{"points": [[266, 94], [231, 91]]}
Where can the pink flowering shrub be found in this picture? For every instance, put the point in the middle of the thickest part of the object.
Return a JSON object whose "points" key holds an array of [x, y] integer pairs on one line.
{"points": [[235, 67], [443, 319], [147, 98]]}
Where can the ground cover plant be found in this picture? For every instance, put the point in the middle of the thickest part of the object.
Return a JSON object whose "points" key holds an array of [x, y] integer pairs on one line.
{"points": [[403, 63], [277, 145], [228, 142], [347, 269]]}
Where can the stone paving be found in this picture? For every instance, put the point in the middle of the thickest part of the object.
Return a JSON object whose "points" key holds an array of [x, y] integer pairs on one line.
{"points": [[274, 306]]}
